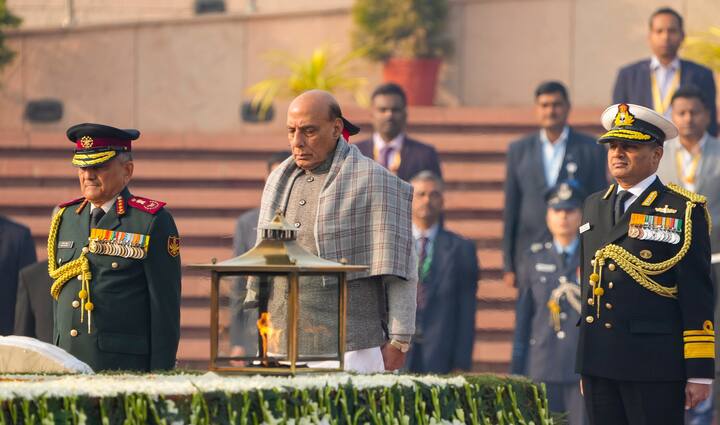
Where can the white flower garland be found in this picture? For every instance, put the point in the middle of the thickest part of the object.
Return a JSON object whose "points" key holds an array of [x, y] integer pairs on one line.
{"points": [[33, 386]]}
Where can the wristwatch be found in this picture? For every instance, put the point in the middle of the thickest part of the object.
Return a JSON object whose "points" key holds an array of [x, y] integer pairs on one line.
{"points": [[404, 347]]}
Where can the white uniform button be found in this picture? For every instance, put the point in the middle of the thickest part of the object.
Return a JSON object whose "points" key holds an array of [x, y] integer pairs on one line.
{"points": [[76, 304], [297, 224], [79, 277], [589, 319], [608, 306], [608, 325], [610, 285], [303, 202], [611, 266], [74, 333], [114, 265], [310, 179]]}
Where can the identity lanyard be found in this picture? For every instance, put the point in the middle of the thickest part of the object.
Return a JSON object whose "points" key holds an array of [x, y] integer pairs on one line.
{"points": [[687, 175], [394, 164], [661, 104]]}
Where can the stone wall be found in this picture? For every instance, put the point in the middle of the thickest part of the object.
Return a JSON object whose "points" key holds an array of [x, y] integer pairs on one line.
{"points": [[186, 73]]}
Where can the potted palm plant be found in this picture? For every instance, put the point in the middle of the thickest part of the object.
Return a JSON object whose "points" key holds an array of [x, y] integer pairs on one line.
{"points": [[324, 70], [409, 37]]}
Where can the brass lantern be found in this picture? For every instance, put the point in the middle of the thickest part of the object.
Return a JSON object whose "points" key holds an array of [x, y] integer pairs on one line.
{"points": [[278, 255]]}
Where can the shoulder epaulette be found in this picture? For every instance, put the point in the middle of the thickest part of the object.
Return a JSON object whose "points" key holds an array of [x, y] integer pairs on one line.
{"points": [[150, 206], [73, 202], [609, 191], [692, 196]]}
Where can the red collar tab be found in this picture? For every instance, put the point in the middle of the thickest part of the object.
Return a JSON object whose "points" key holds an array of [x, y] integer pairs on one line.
{"points": [[88, 142], [144, 204]]}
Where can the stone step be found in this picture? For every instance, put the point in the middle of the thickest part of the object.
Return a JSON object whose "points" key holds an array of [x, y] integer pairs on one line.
{"points": [[478, 143], [25, 171], [236, 198]]}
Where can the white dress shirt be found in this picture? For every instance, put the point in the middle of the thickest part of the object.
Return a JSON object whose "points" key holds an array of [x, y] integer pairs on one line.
{"points": [[553, 155], [664, 76]]}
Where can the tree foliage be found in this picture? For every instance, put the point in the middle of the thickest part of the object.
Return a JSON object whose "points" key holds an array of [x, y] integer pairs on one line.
{"points": [[7, 20]]}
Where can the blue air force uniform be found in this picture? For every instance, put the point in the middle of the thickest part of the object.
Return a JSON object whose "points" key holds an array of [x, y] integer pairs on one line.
{"points": [[547, 313]]}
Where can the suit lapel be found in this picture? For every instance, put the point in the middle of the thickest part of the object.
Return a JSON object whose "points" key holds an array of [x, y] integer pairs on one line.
{"points": [[620, 229], [570, 157], [405, 156], [441, 252], [538, 165], [646, 94], [707, 162]]}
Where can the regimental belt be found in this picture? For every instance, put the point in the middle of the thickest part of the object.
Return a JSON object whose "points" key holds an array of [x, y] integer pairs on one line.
{"points": [[118, 244], [655, 228]]}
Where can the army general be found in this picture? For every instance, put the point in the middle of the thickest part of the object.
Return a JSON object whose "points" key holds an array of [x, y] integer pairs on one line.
{"points": [[115, 261], [647, 341]]}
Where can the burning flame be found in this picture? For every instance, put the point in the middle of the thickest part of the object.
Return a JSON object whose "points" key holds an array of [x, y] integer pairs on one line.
{"points": [[269, 335]]}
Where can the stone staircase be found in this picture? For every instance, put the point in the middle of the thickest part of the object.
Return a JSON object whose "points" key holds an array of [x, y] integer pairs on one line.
{"points": [[210, 179]]}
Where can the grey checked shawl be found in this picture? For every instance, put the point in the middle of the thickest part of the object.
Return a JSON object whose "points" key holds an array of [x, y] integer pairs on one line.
{"points": [[364, 213]]}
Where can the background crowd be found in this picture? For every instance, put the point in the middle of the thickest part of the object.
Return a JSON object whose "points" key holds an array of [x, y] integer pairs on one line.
{"points": [[548, 174]]}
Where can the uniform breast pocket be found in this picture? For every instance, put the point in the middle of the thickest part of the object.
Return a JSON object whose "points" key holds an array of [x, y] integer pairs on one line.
{"points": [[65, 255]]}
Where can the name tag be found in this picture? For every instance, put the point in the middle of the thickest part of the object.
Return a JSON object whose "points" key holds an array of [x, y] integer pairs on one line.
{"points": [[584, 228], [66, 244], [545, 268]]}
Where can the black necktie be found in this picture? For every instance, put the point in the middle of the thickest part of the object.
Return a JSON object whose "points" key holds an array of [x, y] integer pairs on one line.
{"points": [[620, 200], [95, 215], [565, 256]]}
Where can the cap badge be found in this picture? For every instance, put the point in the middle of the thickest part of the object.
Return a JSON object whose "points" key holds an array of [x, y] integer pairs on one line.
{"points": [[86, 142], [624, 117], [564, 192]]}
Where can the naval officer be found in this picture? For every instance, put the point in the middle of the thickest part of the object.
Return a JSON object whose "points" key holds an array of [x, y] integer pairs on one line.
{"points": [[647, 341]]}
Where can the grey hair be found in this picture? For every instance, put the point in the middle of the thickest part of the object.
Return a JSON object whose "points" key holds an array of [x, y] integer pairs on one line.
{"points": [[427, 175], [124, 157]]}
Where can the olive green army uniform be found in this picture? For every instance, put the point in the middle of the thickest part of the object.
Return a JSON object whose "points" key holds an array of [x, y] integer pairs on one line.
{"points": [[115, 268], [134, 323]]}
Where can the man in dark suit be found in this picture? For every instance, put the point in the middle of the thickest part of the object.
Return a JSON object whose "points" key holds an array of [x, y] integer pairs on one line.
{"points": [[33, 309], [546, 334], [448, 275], [693, 161], [389, 145], [534, 164], [647, 340], [17, 250], [652, 82], [243, 324]]}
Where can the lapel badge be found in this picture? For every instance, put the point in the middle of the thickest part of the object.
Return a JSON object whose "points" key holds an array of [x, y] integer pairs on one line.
{"points": [[650, 198], [173, 246], [646, 254], [120, 206], [666, 210]]}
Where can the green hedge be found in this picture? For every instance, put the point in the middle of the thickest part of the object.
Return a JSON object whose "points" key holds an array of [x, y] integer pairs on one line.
{"points": [[481, 399]]}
